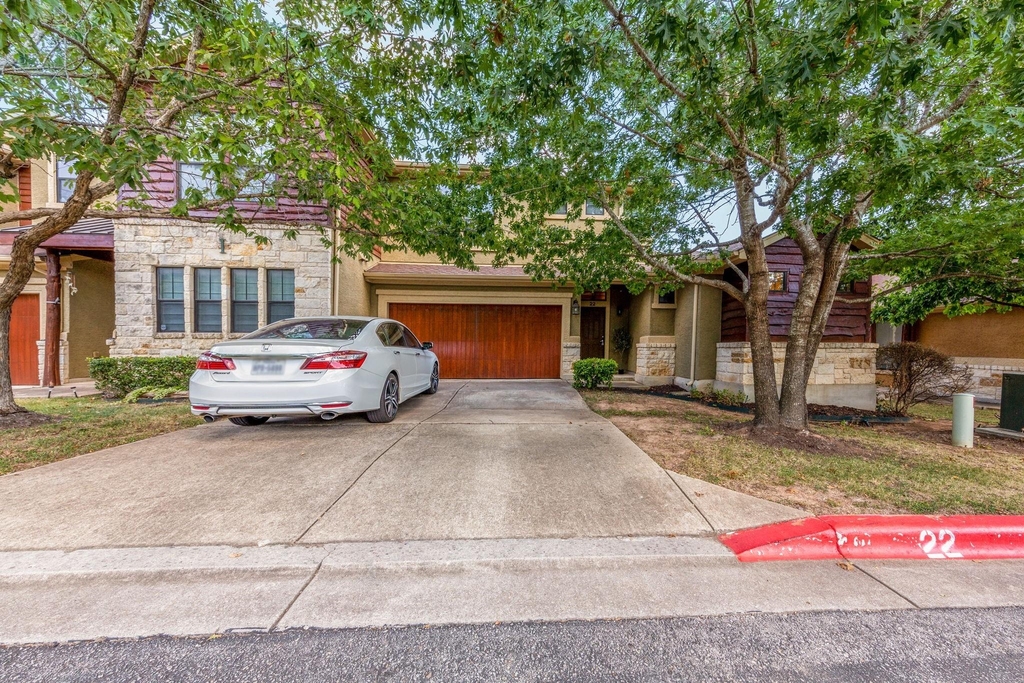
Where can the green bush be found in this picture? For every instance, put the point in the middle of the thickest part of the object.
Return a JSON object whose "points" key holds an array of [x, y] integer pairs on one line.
{"points": [[137, 375], [722, 397], [591, 373]]}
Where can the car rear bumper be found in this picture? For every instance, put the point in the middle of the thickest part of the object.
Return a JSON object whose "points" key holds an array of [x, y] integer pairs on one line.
{"points": [[347, 392]]}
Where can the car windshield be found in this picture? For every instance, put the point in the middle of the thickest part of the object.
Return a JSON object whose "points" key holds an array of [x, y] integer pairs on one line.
{"points": [[325, 328]]}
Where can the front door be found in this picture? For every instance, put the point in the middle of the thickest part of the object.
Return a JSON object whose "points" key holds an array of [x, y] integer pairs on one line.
{"points": [[592, 332], [24, 335]]}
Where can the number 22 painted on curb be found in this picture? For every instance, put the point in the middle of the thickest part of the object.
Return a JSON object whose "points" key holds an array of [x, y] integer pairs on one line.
{"points": [[947, 544]]}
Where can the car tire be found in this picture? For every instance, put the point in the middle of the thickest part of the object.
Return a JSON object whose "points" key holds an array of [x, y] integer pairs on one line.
{"points": [[248, 421], [388, 401], [435, 380]]}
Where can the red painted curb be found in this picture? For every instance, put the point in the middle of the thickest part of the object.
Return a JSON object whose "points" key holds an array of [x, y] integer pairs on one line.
{"points": [[882, 537]]}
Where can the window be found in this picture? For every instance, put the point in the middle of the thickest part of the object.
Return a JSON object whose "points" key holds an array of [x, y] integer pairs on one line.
{"points": [[280, 295], [391, 334], [777, 281], [207, 299], [594, 209], [668, 298], [66, 177], [410, 339], [192, 176], [561, 211], [845, 287], [244, 300], [326, 328], [170, 299]]}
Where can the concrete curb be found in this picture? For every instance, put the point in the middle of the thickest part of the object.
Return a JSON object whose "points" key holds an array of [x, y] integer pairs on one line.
{"points": [[882, 537]]}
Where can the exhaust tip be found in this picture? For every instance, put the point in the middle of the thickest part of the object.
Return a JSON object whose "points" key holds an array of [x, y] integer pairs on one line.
{"points": [[328, 415], [209, 418]]}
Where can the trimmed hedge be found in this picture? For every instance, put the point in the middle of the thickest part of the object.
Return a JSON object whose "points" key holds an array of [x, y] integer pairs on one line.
{"points": [[141, 374], [591, 373]]}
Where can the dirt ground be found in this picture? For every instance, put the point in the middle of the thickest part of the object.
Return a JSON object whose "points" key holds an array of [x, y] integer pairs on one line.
{"points": [[833, 467]]}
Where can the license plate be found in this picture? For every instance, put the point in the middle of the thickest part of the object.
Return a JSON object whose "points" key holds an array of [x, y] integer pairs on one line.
{"points": [[268, 368]]}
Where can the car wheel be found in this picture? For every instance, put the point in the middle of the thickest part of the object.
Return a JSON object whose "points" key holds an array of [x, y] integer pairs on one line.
{"points": [[388, 402], [248, 421], [435, 379]]}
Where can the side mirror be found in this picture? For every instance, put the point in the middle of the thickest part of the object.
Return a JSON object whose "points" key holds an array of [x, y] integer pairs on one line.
{"points": [[427, 346]]}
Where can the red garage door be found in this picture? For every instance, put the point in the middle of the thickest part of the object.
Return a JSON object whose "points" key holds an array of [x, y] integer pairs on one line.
{"points": [[485, 341], [24, 335]]}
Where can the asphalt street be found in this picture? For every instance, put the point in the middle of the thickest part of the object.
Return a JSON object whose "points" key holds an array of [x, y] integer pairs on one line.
{"points": [[903, 645]]}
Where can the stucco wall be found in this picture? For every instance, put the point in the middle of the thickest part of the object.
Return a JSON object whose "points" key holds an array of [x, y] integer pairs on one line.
{"points": [[987, 335], [142, 245], [90, 313], [708, 332], [351, 290]]}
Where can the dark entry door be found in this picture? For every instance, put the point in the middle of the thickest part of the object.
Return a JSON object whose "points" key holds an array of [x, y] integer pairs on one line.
{"points": [[592, 332]]}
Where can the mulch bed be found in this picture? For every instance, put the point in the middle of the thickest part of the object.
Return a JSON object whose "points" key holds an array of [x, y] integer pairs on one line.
{"points": [[26, 419]]}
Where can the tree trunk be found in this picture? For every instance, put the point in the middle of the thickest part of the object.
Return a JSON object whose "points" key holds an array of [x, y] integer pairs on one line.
{"points": [[762, 355], [7, 404]]}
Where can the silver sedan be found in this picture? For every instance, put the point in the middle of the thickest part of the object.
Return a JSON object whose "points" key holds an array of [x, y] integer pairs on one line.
{"points": [[314, 366]]}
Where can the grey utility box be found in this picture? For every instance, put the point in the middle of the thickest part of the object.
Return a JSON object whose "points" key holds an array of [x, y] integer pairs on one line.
{"points": [[1011, 408]]}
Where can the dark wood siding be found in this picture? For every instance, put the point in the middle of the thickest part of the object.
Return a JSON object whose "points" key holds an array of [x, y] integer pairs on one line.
{"points": [[484, 341], [848, 321], [24, 335], [161, 189]]}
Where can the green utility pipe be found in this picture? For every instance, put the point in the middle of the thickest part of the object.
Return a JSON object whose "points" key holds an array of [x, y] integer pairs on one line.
{"points": [[963, 420]]}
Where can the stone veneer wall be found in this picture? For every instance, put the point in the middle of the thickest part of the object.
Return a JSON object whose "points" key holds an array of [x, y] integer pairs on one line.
{"points": [[656, 360], [141, 245], [988, 374], [64, 360], [843, 373], [570, 354]]}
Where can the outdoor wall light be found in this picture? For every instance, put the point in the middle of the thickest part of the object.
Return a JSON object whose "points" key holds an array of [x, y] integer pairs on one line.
{"points": [[575, 306], [618, 311]]}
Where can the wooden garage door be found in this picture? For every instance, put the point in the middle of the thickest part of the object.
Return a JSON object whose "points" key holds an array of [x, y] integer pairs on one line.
{"points": [[24, 335], [484, 341]]}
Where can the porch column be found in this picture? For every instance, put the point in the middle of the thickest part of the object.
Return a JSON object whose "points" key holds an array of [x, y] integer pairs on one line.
{"points": [[51, 349]]}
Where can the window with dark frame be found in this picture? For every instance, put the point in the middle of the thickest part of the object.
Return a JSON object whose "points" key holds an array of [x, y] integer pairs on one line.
{"points": [[668, 298], [845, 288], [594, 209], [561, 211], [170, 299], [66, 177], [280, 295], [244, 300], [207, 294], [777, 281]]}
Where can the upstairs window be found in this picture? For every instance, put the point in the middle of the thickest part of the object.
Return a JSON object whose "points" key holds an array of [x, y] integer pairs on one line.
{"points": [[668, 298], [192, 176], [207, 300], [561, 210], [777, 281], [66, 178], [245, 310], [280, 295], [594, 209], [170, 299]]}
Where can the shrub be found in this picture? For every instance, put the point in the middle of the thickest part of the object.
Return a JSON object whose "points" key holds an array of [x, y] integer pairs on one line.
{"points": [[722, 397], [137, 375], [919, 374], [622, 342], [591, 373]]}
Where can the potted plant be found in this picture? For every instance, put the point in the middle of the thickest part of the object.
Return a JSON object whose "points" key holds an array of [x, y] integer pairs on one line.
{"points": [[622, 342]]}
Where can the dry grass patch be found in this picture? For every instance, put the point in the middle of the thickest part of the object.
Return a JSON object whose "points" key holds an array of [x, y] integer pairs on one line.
{"points": [[834, 468], [83, 425]]}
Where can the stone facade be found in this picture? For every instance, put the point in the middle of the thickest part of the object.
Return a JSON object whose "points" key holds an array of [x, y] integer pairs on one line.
{"points": [[570, 354], [64, 364], [142, 245], [988, 374], [656, 360], [843, 374]]}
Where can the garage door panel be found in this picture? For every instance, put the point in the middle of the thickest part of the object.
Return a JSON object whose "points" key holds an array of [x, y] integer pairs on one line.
{"points": [[488, 341]]}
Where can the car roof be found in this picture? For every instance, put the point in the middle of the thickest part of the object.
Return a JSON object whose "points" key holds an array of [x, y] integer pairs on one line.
{"points": [[367, 318]]}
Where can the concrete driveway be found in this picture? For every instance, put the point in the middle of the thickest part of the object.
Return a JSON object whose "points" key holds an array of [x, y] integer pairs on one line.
{"points": [[477, 460]]}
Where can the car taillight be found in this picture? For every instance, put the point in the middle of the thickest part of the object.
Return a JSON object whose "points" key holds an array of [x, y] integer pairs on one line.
{"points": [[211, 361], [338, 360]]}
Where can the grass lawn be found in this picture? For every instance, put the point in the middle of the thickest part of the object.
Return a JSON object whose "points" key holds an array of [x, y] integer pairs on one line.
{"points": [[837, 468], [87, 424]]}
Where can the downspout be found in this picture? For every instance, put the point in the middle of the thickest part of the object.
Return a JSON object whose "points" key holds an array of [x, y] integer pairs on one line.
{"points": [[693, 337]]}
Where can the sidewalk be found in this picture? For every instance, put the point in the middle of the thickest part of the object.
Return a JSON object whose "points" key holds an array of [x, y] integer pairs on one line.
{"points": [[70, 389]]}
